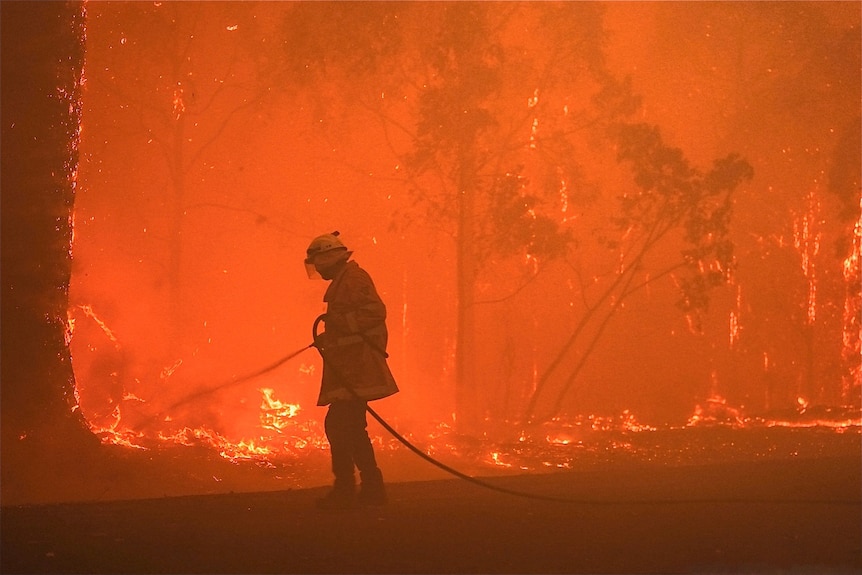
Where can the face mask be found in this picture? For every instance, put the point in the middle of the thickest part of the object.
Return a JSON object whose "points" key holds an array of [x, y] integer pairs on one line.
{"points": [[312, 272], [318, 265]]}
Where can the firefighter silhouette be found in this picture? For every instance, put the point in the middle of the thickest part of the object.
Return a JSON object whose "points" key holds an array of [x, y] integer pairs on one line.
{"points": [[355, 370]]}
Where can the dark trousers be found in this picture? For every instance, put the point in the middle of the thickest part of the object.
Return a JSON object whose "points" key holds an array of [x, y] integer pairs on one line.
{"points": [[345, 426]]}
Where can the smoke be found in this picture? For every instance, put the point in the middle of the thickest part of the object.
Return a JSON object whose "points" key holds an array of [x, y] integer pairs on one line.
{"points": [[205, 171]]}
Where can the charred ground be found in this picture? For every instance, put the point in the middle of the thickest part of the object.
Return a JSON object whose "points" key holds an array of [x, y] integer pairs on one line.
{"points": [[780, 516]]}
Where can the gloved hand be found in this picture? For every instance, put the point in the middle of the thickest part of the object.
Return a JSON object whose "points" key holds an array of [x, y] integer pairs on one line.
{"points": [[323, 340]]}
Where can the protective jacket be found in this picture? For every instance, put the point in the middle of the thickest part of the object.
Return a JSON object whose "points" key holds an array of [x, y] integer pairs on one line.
{"points": [[354, 343]]}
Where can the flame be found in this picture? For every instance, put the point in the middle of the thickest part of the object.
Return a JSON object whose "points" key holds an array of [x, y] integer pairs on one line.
{"points": [[279, 432], [88, 311], [716, 410], [806, 240], [851, 351], [562, 443], [275, 414], [169, 370], [564, 199], [179, 105], [243, 450], [495, 458], [734, 328]]}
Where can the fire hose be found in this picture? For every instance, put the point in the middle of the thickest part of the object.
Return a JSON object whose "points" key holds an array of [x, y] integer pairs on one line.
{"points": [[459, 474], [403, 440], [368, 408], [230, 383]]}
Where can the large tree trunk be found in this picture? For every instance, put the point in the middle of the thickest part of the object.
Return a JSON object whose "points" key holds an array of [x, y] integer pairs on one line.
{"points": [[42, 59]]}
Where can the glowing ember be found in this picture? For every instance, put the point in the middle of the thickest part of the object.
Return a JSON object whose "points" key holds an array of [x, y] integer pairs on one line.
{"points": [[275, 414], [716, 411], [88, 311], [244, 450], [281, 434], [851, 352], [806, 239], [179, 106]]}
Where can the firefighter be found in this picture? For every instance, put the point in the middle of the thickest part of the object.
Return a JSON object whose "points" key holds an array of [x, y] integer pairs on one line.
{"points": [[355, 370]]}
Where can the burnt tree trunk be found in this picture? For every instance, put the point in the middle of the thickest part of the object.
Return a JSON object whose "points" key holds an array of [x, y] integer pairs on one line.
{"points": [[42, 57], [467, 378]]}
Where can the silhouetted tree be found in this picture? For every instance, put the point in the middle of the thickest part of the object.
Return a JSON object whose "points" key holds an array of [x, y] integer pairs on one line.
{"points": [[844, 181], [178, 76], [782, 76], [507, 105], [42, 59], [670, 195]]}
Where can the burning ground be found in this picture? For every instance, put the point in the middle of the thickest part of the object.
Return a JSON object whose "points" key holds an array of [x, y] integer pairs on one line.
{"points": [[722, 493], [204, 463]]}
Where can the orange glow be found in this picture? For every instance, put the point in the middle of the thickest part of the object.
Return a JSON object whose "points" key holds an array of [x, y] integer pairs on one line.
{"points": [[200, 184], [88, 311], [243, 450], [276, 414], [851, 352], [806, 240], [179, 106], [716, 410], [734, 328]]}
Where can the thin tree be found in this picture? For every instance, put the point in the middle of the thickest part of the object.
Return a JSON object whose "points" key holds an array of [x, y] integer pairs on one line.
{"points": [[474, 80], [510, 105], [172, 90], [786, 77], [670, 195]]}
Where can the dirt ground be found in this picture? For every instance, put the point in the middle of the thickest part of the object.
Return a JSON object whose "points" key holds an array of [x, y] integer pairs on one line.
{"points": [[786, 516]]}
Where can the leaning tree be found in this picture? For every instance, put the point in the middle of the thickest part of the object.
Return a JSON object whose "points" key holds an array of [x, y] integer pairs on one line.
{"points": [[499, 115]]}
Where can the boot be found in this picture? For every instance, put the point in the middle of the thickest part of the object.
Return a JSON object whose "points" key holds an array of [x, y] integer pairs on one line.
{"points": [[342, 496], [372, 491]]}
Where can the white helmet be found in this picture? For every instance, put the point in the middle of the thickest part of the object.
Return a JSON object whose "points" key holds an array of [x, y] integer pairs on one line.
{"points": [[326, 244]]}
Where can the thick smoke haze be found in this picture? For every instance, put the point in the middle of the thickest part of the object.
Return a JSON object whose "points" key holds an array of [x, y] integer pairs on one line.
{"points": [[219, 138]]}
